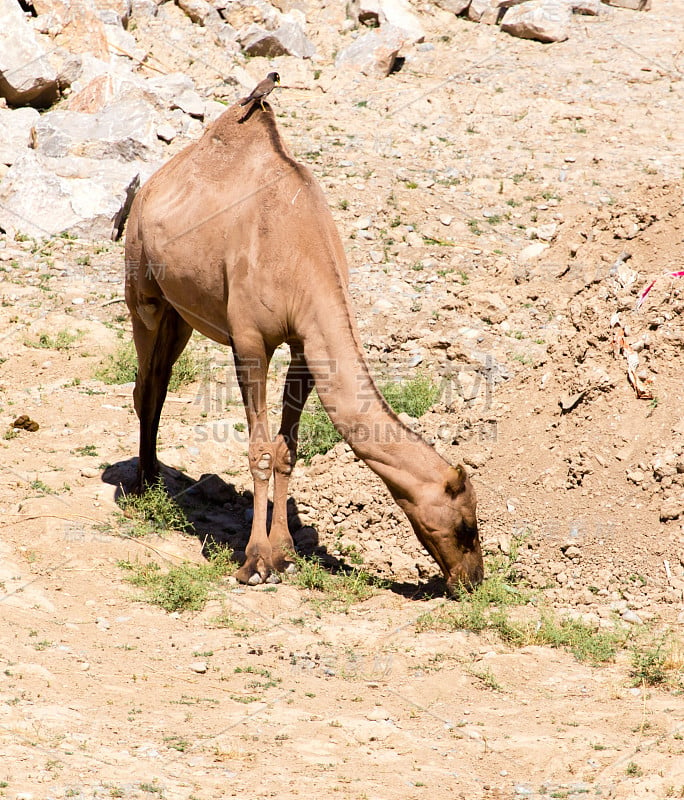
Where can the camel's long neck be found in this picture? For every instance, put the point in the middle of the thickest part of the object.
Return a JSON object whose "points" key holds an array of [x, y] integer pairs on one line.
{"points": [[358, 411]]}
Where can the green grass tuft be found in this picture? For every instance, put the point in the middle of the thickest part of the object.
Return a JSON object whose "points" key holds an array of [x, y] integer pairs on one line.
{"points": [[339, 589], [185, 587], [122, 367], [154, 511]]}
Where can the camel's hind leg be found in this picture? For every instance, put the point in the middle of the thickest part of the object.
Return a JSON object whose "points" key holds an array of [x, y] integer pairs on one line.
{"points": [[298, 386], [159, 340]]}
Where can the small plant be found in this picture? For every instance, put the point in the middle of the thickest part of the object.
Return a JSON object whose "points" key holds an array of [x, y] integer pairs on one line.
{"points": [[413, 397], [86, 450], [154, 511], [39, 486], [648, 666], [634, 770], [474, 226], [317, 434], [344, 204], [122, 367], [340, 588], [186, 587], [62, 340]]}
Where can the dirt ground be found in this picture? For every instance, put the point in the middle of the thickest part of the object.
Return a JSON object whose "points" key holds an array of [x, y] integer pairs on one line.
{"points": [[503, 203]]}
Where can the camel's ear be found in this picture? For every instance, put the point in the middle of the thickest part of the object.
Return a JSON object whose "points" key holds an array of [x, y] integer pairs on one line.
{"points": [[455, 482]]}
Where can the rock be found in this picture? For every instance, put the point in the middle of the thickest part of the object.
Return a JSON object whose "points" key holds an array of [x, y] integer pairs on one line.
{"points": [[125, 129], [190, 103], [199, 666], [484, 11], [288, 39], [398, 14], [164, 89], [672, 508], [543, 20], [81, 29], [454, 6], [631, 617], [532, 251], [42, 196], [374, 53], [590, 8], [15, 132], [635, 5], [636, 476], [166, 132], [26, 75], [200, 12], [122, 9], [494, 309]]}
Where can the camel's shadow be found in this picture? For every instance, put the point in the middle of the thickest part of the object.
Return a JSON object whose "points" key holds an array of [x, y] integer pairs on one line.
{"points": [[221, 515]]}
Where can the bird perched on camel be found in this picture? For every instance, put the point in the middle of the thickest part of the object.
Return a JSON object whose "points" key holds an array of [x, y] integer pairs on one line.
{"points": [[234, 238], [262, 90]]}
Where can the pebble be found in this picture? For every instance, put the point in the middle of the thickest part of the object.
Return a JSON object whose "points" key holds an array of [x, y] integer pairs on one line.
{"points": [[362, 223], [89, 472], [24, 796], [199, 666], [631, 617], [77, 301], [446, 220]]}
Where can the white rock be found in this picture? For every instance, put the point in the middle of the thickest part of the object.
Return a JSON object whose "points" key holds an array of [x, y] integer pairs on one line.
{"points": [[398, 14], [26, 75], [44, 197], [15, 132], [635, 5], [543, 20], [374, 53], [484, 11], [199, 666], [532, 251]]}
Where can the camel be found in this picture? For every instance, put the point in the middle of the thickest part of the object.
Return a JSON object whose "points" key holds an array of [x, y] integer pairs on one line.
{"points": [[234, 238]]}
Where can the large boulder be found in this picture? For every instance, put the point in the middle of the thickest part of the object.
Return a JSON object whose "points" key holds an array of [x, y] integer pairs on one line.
{"points": [[26, 75], [15, 132], [125, 130], [374, 53], [288, 39], [84, 197], [543, 20]]}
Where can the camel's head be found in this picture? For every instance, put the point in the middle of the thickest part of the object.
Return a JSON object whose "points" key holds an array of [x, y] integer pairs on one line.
{"points": [[274, 77], [445, 521]]}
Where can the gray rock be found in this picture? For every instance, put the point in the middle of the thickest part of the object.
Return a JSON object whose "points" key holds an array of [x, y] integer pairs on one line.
{"points": [[635, 5], [26, 75], [166, 88], [125, 129], [374, 53], [190, 103], [543, 20], [200, 12], [288, 39], [42, 196], [485, 11], [15, 132]]}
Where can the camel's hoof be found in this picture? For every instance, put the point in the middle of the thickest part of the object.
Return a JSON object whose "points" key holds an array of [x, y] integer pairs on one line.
{"points": [[273, 578], [255, 580]]}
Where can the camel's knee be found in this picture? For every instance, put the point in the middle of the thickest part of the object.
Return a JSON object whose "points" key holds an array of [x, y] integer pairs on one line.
{"points": [[261, 461], [285, 456]]}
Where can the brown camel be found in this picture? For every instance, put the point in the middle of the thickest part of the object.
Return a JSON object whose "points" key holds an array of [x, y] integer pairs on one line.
{"points": [[234, 238]]}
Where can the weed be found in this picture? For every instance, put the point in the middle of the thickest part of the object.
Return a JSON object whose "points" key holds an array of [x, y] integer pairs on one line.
{"points": [[411, 184], [413, 397], [177, 743], [648, 666], [186, 587], [10, 433], [474, 226], [343, 204], [436, 241], [340, 588], [122, 367], [86, 450], [154, 511], [634, 770], [317, 434], [38, 486], [487, 677], [62, 340]]}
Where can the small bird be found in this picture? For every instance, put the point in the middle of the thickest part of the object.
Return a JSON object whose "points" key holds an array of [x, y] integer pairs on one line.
{"points": [[262, 89]]}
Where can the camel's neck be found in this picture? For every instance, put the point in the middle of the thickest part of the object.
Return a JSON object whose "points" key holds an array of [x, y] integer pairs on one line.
{"points": [[335, 358]]}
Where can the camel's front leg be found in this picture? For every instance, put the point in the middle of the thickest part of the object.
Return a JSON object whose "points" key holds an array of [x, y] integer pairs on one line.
{"points": [[251, 364], [298, 385]]}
